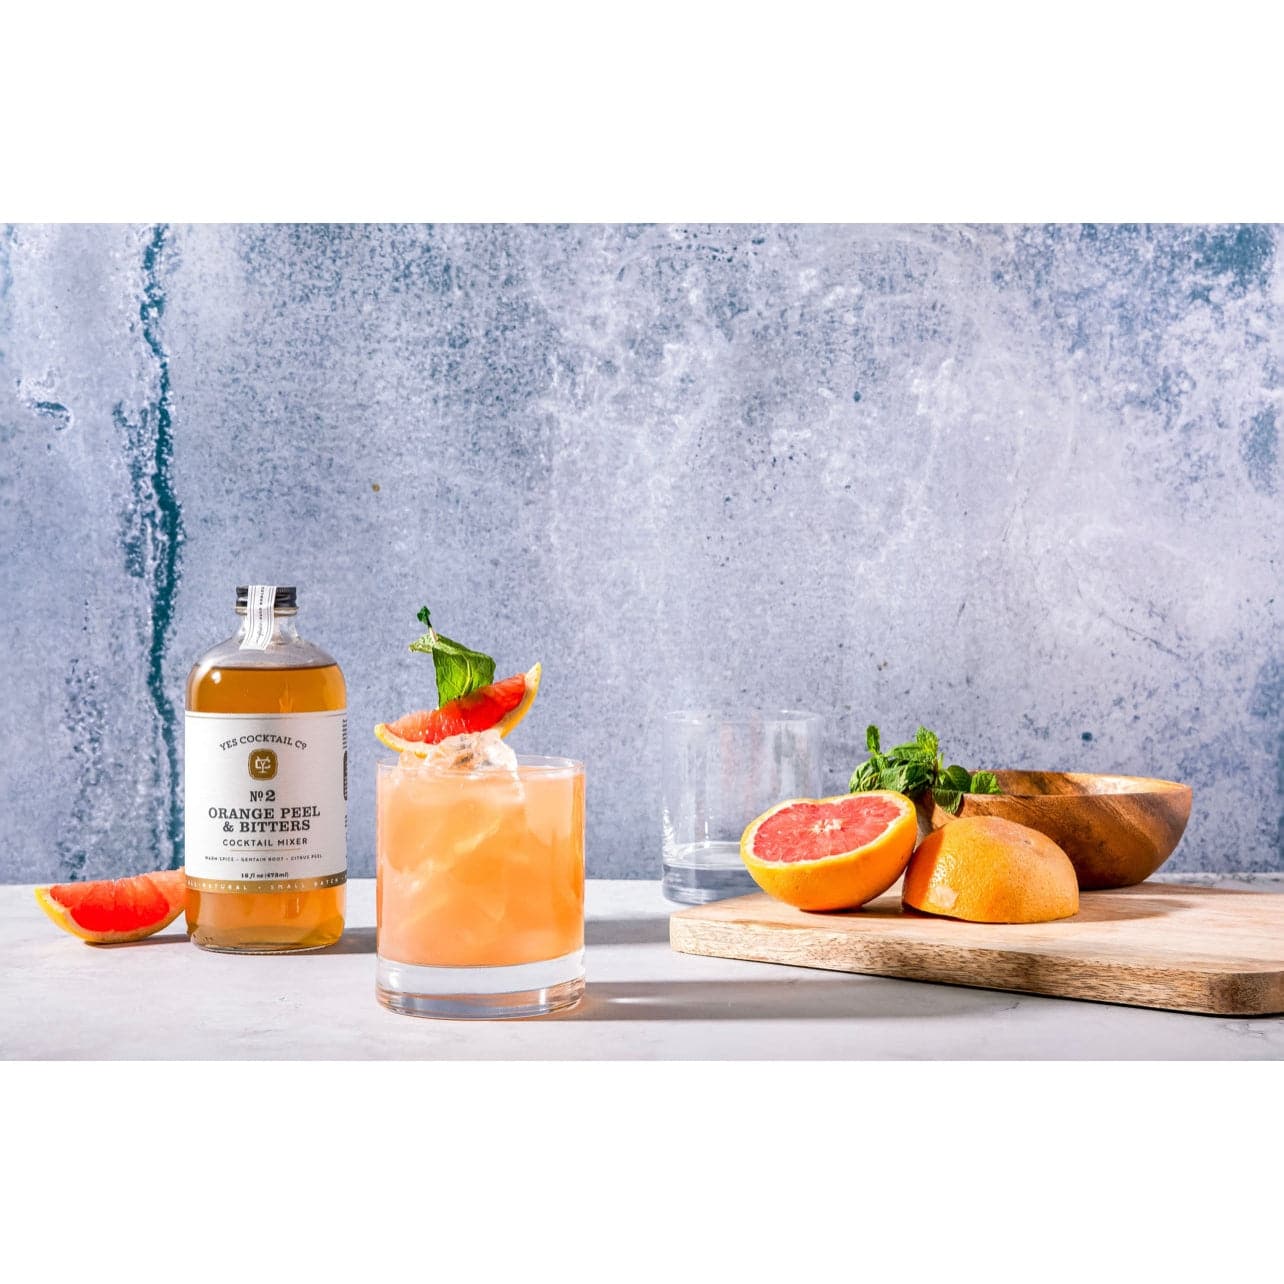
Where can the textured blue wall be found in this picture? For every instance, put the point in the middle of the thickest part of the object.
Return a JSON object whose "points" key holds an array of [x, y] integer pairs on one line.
{"points": [[1020, 483]]}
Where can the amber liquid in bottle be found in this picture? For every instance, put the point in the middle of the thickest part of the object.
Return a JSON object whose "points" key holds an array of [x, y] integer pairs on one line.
{"points": [[269, 921]]}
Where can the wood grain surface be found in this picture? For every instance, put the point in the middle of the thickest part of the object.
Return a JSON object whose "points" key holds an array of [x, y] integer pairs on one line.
{"points": [[1117, 830], [1189, 949]]}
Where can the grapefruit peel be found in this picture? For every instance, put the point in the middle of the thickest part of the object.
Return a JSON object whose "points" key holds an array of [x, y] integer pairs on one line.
{"points": [[984, 869]]}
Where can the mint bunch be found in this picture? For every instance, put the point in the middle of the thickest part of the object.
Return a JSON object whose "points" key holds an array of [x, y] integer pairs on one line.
{"points": [[916, 767], [459, 671]]}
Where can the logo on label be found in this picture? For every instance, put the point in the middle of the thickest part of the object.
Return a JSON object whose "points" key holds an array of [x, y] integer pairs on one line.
{"points": [[262, 764]]}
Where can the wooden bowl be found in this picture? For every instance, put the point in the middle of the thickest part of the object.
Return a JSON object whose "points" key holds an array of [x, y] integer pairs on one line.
{"points": [[1117, 830]]}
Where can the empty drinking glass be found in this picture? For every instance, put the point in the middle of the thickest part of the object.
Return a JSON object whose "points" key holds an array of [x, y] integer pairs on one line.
{"points": [[719, 772]]}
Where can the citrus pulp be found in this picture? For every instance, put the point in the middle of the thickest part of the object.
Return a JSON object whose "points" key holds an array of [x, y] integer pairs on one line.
{"points": [[831, 853], [112, 911], [502, 705]]}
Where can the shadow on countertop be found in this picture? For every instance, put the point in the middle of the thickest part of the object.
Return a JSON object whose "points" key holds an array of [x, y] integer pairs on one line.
{"points": [[176, 937], [805, 999], [355, 940], [602, 931], [627, 931]]}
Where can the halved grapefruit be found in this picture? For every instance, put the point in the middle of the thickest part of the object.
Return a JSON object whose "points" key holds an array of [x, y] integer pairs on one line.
{"points": [[831, 853], [113, 910], [990, 870], [502, 705]]}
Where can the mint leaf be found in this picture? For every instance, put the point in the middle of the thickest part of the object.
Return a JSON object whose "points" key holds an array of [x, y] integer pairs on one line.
{"points": [[864, 778], [896, 779], [458, 670], [918, 776], [950, 799], [915, 767]]}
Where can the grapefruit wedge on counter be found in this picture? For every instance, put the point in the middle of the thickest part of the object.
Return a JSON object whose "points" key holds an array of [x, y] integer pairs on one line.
{"points": [[500, 706], [831, 853], [115, 910]]}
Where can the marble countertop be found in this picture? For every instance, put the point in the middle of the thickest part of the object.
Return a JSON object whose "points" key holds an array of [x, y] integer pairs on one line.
{"points": [[164, 999]]}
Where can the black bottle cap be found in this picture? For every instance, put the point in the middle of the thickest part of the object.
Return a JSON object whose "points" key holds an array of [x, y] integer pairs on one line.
{"points": [[285, 595]]}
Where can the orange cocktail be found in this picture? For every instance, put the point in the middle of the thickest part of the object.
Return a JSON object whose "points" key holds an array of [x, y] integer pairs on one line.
{"points": [[480, 894]]}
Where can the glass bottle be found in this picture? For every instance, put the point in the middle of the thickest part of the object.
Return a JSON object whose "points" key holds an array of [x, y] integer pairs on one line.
{"points": [[266, 786]]}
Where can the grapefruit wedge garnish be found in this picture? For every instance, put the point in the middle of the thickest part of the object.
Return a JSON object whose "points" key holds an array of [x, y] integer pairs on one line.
{"points": [[114, 910], [831, 853], [500, 706]]}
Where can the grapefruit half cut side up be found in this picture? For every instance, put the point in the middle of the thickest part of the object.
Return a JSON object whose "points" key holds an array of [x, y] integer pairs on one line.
{"points": [[500, 706], [115, 910], [831, 853]]}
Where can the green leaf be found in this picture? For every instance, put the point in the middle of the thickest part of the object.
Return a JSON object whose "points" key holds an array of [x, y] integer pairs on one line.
{"points": [[869, 775], [896, 778], [915, 767], [862, 779], [950, 799], [909, 778], [918, 777], [459, 671]]}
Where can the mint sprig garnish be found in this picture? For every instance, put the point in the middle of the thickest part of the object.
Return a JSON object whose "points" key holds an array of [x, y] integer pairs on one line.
{"points": [[917, 767], [459, 671]]}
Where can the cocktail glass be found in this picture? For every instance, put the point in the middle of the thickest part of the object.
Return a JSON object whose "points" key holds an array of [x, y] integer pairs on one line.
{"points": [[480, 888]]}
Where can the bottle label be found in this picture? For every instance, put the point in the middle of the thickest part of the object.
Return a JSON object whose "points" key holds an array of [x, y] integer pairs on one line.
{"points": [[260, 602], [266, 799]]}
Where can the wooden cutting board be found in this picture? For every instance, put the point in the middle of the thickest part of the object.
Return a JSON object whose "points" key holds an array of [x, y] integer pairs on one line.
{"points": [[1157, 945]]}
